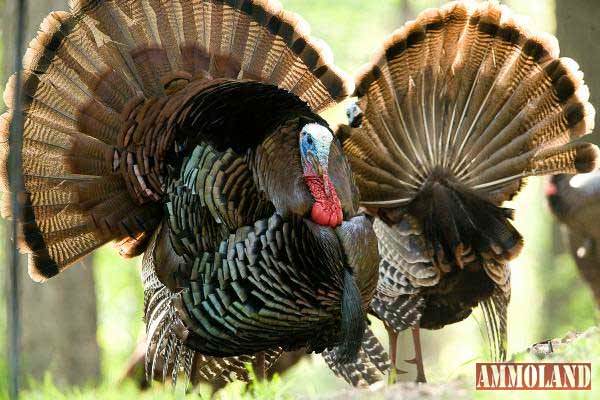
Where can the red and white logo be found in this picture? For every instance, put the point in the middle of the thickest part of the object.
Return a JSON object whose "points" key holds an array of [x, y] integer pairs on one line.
{"points": [[533, 376]]}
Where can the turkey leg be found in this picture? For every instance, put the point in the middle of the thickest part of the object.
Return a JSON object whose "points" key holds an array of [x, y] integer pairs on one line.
{"points": [[393, 341], [418, 359], [259, 366]]}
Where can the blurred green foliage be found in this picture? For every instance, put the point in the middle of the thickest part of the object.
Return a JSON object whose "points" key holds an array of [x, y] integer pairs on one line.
{"points": [[120, 309], [549, 299]]}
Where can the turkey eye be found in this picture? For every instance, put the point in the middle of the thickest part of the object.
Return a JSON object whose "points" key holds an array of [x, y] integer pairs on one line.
{"points": [[310, 140]]}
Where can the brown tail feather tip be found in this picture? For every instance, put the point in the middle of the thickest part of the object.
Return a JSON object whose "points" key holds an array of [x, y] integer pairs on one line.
{"points": [[586, 159], [580, 116], [572, 158], [542, 47], [41, 266]]}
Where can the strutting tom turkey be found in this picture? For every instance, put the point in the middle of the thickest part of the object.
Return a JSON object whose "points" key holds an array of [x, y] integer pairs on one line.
{"points": [[187, 130], [456, 110]]}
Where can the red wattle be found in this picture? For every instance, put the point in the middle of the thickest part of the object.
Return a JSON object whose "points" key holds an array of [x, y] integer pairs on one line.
{"points": [[327, 210]]}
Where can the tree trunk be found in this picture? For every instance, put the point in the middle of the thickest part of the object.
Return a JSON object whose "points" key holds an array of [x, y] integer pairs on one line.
{"points": [[58, 317]]}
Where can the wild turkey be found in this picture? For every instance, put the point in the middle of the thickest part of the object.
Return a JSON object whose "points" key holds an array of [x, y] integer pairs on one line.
{"points": [[575, 201], [187, 130], [455, 111]]}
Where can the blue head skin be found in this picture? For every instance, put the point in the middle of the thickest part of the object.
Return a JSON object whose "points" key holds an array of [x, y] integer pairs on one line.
{"points": [[315, 142]]}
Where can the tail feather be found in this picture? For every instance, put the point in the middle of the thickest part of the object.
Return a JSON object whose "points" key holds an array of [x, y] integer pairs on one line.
{"points": [[464, 88], [463, 104], [467, 88], [571, 158], [94, 80]]}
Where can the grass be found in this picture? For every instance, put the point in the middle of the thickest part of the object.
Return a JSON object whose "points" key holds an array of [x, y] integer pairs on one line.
{"points": [[277, 388], [585, 348]]}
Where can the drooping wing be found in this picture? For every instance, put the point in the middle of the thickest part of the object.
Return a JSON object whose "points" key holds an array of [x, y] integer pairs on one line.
{"points": [[167, 356], [370, 366]]}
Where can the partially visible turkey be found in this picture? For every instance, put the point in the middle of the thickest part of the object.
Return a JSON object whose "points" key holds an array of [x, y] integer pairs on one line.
{"points": [[187, 129], [455, 111], [575, 201]]}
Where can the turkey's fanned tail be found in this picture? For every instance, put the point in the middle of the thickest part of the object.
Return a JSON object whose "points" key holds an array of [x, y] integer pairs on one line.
{"points": [[468, 90], [457, 108], [94, 77]]}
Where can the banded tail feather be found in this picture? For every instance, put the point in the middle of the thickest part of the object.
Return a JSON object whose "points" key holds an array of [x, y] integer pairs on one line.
{"points": [[456, 110], [95, 77]]}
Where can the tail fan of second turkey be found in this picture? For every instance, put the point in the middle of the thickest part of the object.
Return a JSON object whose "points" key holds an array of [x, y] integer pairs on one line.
{"points": [[457, 109]]}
